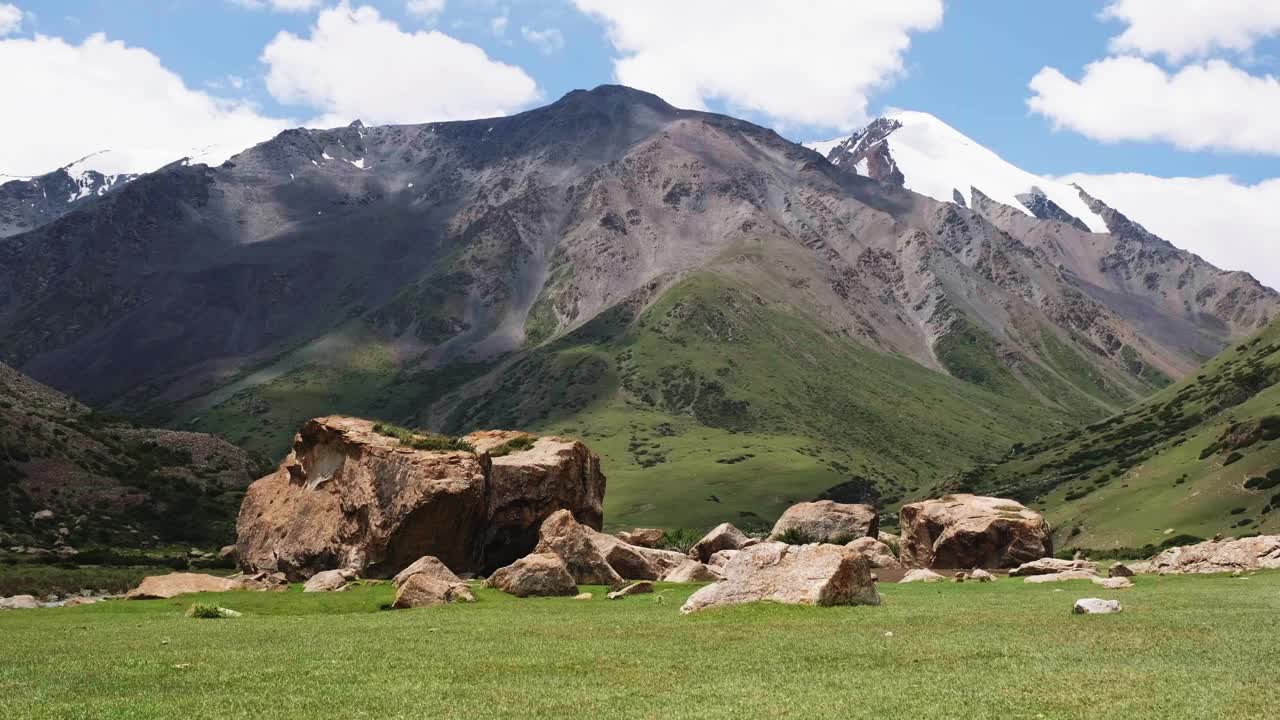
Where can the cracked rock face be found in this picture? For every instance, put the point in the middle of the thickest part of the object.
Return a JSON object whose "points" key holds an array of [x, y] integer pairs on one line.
{"points": [[349, 497]]}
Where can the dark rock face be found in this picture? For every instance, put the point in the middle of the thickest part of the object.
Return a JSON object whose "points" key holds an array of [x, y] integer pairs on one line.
{"points": [[870, 147], [26, 204], [1045, 209]]}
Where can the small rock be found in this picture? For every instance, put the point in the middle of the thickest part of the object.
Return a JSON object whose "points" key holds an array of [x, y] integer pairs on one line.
{"points": [[1114, 583], [1120, 570], [959, 577], [921, 575], [1096, 606], [980, 575], [636, 588], [582, 596], [1064, 575]]}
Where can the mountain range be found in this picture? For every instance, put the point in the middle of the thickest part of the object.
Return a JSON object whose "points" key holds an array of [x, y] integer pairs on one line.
{"points": [[735, 321]]}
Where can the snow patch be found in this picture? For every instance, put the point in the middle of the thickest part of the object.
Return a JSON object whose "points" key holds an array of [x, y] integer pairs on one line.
{"points": [[358, 163]]}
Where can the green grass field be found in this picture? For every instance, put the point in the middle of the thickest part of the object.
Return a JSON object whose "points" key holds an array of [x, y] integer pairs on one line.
{"points": [[1185, 647]]}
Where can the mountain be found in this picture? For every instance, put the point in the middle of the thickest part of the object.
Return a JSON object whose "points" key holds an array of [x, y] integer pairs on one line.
{"points": [[73, 477], [28, 203], [1201, 457], [731, 320]]}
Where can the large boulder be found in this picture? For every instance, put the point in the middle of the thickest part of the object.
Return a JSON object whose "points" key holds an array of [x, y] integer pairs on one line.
{"points": [[163, 587], [423, 590], [1049, 566], [1261, 552], [349, 496], [876, 552], [722, 537], [816, 574], [527, 486], [562, 535], [971, 531], [537, 575], [426, 565], [19, 602], [328, 581], [629, 561], [827, 521]]}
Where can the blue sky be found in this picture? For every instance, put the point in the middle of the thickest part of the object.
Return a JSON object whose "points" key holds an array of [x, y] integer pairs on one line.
{"points": [[1128, 94]]}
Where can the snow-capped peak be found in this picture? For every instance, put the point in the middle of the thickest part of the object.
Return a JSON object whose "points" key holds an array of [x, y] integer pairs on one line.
{"points": [[939, 161]]}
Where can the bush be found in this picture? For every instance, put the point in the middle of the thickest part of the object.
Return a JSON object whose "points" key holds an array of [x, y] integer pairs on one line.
{"points": [[519, 444], [681, 539], [423, 440], [1233, 457], [210, 612], [796, 536]]}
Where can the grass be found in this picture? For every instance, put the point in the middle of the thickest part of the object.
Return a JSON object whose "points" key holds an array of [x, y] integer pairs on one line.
{"points": [[420, 440], [40, 579], [1185, 647]]}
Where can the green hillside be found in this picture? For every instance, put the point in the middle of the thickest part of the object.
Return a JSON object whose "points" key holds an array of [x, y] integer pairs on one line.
{"points": [[1200, 457]]}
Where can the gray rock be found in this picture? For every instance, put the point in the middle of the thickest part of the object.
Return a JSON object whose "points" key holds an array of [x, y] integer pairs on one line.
{"points": [[1096, 606]]}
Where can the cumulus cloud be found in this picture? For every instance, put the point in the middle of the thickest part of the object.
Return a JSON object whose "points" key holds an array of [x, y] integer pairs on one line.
{"points": [[1192, 28], [1230, 224], [812, 64], [10, 19], [1211, 105], [356, 64], [547, 41], [280, 5], [104, 95]]}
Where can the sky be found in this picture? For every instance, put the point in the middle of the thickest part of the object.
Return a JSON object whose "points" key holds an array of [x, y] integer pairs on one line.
{"points": [[1166, 109]]}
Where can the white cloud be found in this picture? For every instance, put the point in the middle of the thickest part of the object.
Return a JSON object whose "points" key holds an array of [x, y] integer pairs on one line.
{"points": [[1230, 224], [814, 63], [1212, 105], [426, 9], [498, 24], [280, 5], [1192, 28], [10, 19], [355, 64], [102, 94], [547, 41]]}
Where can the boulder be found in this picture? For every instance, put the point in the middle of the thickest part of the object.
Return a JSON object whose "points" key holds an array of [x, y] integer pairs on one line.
{"points": [[1049, 566], [328, 581], [691, 571], [228, 552], [643, 537], [629, 561], [163, 587], [78, 601], [348, 496], [877, 553], [722, 537], [19, 602], [817, 574], [525, 487], [425, 589], [828, 521], [426, 565], [636, 588], [573, 543], [583, 596], [540, 574], [1214, 556], [959, 577], [1120, 570], [921, 575], [1114, 583], [1096, 606], [980, 575], [263, 581], [968, 531], [893, 541], [1062, 576], [721, 558]]}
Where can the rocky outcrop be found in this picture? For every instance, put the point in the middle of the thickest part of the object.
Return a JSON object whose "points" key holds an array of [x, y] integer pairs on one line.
{"points": [[827, 521], [971, 531], [876, 552], [817, 574], [573, 543], [1048, 566], [163, 587], [1253, 553], [537, 575], [722, 537], [329, 581], [348, 496]]}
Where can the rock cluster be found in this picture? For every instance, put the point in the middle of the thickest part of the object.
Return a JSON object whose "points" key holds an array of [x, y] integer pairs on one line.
{"points": [[971, 531], [1261, 552]]}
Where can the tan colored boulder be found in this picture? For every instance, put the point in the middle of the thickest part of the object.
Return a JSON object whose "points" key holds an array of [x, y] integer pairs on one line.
{"points": [[971, 531], [629, 561], [827, 521], [1114, 583], [636, 588], [791, 574], [980, 575], [573, 542], [643, 537], [19, 602], [328, 581], [540, 574], [349, 497], [876, 552], [427, 565], [721, 558], [1096, 606], [1120, 570], [1049, 566], [921, 575], [691, 571], [1215, 556], [583, 596], [1062, 576], [78, 601], [425, 590], [527, 486], [722, 537], [163, 587]]}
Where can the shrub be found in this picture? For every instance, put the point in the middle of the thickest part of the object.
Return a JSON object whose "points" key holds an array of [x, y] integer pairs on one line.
{"points": [[1234, 456], [524, 442], [796, 536], [422, 440], [681, 539], [210, 612], [1238, 510]]}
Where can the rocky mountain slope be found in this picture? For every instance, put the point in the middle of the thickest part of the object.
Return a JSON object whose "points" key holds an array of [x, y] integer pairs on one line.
{"points": [[729, 317], [1198, 458], [70, 477], [28, 203]]}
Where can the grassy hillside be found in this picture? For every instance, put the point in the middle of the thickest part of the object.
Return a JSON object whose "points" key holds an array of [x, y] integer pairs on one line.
{"points": [[708, 403], [1198, 458], [326, 655]]}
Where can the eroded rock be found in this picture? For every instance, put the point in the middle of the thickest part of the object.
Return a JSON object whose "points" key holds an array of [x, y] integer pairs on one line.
{"points": [[722, 537], [573, 543], [1253, 553], [827, 521], [972, 531], [540, 574], [643, 537], [818, 574]]}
